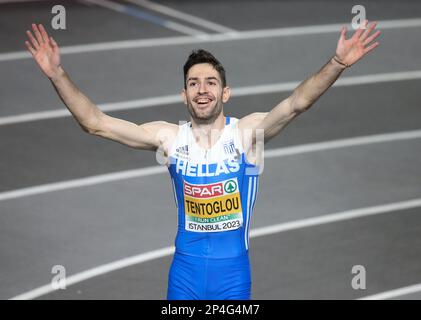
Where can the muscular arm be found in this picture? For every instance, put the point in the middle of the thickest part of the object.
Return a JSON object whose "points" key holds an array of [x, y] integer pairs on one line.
{"points": [[302, 98], [312, 88], [306, 94], [86, 113], [148, 136]]}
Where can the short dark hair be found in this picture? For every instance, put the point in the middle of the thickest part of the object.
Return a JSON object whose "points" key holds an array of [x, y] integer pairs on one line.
{"points": [[202, 56]]}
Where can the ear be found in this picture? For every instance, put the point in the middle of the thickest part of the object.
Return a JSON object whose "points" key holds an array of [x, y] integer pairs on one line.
{"points": [[226, 94], [184, 96]]}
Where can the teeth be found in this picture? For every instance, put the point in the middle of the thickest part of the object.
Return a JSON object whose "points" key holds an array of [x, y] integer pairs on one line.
{"points": [[201, 100]]}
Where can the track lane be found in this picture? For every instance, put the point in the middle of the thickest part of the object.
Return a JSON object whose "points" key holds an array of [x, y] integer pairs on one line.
{"points": [[115, 76], [343, 112], [86, 227]]}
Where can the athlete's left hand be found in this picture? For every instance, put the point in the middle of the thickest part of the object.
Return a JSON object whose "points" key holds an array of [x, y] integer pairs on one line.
{"points": [[353, 49]]}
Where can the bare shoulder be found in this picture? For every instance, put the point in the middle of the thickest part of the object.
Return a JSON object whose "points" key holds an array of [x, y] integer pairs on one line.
{"points": [[157, 126], [247, 127], [165, 133], [251, 121]]}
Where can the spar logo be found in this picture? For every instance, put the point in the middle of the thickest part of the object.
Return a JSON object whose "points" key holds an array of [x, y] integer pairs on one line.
{"points": [[204, 191], [230, 186]]}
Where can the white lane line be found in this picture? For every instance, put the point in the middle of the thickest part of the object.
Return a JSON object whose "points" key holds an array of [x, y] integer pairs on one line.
{"points": [[183, 16], [342, 143], [107, 46], [338, 216], [282, 227], [341, 82], [120, 8], [239, 35], [91, 273], [106, 107], [20, 1], [236, 92], [279, 152], [394, 293], [83, 182], [319, 29]]}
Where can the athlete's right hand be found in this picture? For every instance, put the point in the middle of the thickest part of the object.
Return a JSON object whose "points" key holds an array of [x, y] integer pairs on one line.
{"points": [[44, 50]]}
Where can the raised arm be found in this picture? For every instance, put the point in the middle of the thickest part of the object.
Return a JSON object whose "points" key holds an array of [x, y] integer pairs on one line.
{"points": [[46, 53], [348, 52]]}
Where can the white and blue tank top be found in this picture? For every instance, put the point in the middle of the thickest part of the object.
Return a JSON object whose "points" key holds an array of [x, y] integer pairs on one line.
{"points": [[215, 191]]}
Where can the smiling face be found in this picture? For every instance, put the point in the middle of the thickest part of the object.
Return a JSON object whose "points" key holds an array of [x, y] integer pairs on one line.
{"points": [[204, 94]]}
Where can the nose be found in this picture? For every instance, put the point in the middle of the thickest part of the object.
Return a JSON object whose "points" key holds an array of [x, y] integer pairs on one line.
{"points": [[203, 88]]}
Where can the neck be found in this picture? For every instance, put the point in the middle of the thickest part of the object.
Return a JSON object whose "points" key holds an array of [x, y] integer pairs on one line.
{"points": [[206, 134]]}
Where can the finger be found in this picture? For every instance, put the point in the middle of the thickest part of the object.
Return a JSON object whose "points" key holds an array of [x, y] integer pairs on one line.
{"points": [[54, 44], [371, 47], [371, 38], [33, 40], [360, 30], [343, 33], [368, 31], [37, 34], [29, 47], [44, 33]]}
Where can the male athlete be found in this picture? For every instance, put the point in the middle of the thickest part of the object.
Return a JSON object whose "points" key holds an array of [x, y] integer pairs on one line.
{"points": [[211, 159]]}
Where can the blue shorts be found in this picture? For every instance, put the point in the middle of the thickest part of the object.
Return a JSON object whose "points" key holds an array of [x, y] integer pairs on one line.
{"points": [[200, 278]]}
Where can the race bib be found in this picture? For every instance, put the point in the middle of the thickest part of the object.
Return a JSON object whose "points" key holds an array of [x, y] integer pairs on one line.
{"points": [[213, 207]]}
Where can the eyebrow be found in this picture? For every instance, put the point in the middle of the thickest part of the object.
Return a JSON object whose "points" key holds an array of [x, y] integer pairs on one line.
{"points": [[207, 78]]}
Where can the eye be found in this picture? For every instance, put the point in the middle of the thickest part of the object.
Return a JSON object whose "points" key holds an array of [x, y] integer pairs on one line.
{"points": [[212, 83], [192, 84]]}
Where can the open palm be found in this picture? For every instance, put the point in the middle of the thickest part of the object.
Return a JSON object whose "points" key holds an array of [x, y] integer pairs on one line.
{"points": [[44, 50], [353, 49]]}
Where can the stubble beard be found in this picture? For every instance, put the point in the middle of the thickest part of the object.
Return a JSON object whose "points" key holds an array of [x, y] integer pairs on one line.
{"points": [[208, 118]]}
